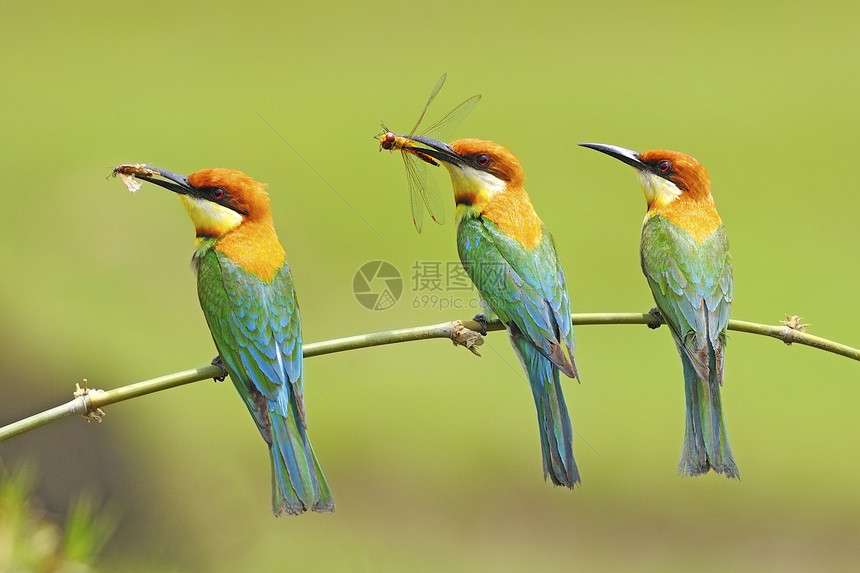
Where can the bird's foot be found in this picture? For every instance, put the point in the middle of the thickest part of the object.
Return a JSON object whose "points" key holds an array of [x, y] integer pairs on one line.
{"points": [[658, 319], [217, 361], [481, 319]]}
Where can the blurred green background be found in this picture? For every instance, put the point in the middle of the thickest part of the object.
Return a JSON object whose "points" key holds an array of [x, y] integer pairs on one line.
{"points": [[432, 453]]}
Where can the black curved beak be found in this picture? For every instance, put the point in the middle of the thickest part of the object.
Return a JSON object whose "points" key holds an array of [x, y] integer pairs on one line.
{"points": [[435, 149], [628, 156]]}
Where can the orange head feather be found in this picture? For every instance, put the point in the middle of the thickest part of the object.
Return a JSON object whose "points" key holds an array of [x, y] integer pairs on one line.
{"points": [[230, 207], [241, 193], [688, 175], [676, 186], [253, 243], [499, 161], [488, 183]]}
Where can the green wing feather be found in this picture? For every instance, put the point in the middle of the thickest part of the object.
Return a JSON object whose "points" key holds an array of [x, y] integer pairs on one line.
{"points": [[527, 290], [524, 288], [692, 286], [256, 327]]}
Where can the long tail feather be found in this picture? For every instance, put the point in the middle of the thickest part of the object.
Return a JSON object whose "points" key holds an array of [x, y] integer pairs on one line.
{"points": [[706, 441], [556, 434], [298, 483]]}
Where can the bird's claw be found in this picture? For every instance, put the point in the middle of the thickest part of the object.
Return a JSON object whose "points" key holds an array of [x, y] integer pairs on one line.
{"points": [[481, 319], [217, 361], [658, 319]]}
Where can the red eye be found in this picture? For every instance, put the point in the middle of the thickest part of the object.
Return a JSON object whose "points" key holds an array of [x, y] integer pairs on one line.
{"points": [[483, 160], [217, 193], [664, 167]]}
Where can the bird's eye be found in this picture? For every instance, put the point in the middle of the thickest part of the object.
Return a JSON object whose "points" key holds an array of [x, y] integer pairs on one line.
{"points": [[217, 193], [483, 160], [664, 166]]}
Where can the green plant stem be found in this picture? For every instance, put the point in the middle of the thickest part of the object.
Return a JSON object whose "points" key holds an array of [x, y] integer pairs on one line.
{"points": [[88, 404]]}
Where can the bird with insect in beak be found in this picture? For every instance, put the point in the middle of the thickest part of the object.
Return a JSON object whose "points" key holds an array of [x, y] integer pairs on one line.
{"points": [[246, 293], [685, 257], [510, 256]]}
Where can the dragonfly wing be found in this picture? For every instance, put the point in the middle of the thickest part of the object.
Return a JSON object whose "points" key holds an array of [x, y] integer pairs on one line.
{"points": [[423, 191], [433, 94], [441, 130], [433, 199], [445, 127], [416, 176]]}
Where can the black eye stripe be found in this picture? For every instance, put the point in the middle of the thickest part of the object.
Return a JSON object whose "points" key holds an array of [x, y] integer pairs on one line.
{"points": [[212, 193], [220, 196]]}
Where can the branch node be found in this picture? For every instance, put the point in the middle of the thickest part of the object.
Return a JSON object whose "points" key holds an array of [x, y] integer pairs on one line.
{"points": [[89, 413], [462, 336], [790, 325]]}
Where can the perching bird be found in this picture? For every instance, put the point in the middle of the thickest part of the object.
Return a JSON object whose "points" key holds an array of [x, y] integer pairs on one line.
{"points": [[685, 257], [510, 256], [246, 293]]}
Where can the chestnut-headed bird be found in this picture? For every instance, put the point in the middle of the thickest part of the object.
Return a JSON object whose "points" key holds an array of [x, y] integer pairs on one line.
{"points": [[510, 256], [246, 293], [685, 257]]}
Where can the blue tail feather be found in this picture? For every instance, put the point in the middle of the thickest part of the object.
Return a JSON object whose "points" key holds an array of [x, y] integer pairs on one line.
{"points": [[706, 441], [298, 483], [556, 433]]}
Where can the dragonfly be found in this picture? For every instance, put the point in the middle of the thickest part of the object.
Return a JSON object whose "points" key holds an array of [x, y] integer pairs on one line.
{"points": [[423, 192]]}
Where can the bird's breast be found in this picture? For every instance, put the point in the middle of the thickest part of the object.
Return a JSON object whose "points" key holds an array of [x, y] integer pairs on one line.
{"points": [[514, 215], [254, 247], [700, 219]]}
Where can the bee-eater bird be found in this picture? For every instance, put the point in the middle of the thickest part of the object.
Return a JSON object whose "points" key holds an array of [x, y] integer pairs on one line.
{"points": [[510, 256], [246, 293], [685, 257]]}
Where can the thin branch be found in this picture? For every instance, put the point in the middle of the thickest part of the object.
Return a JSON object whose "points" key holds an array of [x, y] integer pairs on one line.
{"points": [[88, 402]]}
